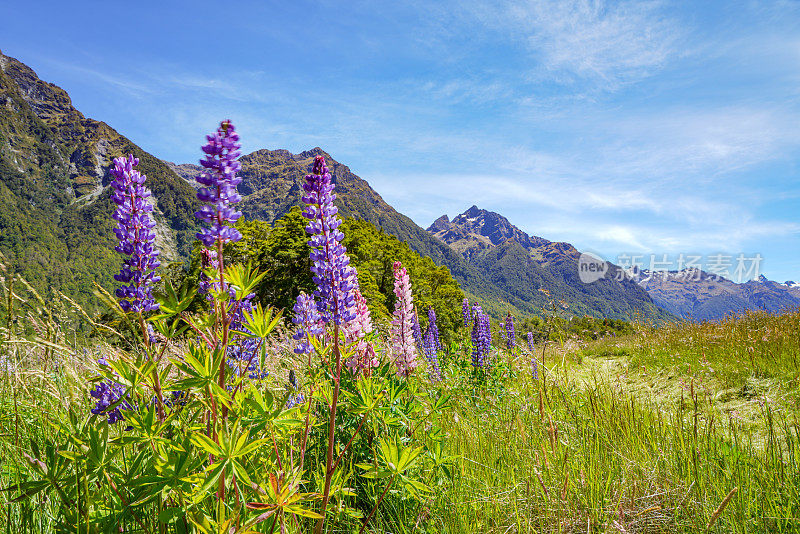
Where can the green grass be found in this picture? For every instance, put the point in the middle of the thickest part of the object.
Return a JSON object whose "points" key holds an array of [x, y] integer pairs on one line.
{"points": [[643, 433]]}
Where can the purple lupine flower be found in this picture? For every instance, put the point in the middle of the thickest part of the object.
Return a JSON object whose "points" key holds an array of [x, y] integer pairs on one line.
{"points": [[402, 338], [415, 328], [309, 322], [333, 274], [465, 311], [107, 393], [430, 347], [534, 362], [221, 164], [511, 341], [136, 237], [485, 338], [433, 329], [502, 329], [476, 311], [481, 338]]}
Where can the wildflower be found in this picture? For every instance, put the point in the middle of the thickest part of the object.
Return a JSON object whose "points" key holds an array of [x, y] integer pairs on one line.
{"points": [[221, 164], [107, 393], [402, 339], [481, 337], [485, 338], [136, 237], [355, 333], [431, 346], [534, 363], [309, 322], [415, 328], [510, 334], [433, 329], [151, 334], [333, 274], [465, 311]]}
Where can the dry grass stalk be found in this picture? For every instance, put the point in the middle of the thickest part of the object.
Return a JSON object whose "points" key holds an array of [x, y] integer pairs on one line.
{"points": [[721, 508]]}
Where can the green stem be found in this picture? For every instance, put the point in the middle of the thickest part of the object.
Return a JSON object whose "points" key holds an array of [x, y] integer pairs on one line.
{"points": [[326, 494], [375, 508]]}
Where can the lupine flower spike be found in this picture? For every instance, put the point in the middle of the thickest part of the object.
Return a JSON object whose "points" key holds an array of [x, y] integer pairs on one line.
{"points": [[510, 334], [485, 337], [415, 328], [431, 346], [534, 362], [220, 181], [402, 338], [481, 338], [465, 311], [355, 333], [107, 393], [309, 322], [333, 274], [136, 237]]}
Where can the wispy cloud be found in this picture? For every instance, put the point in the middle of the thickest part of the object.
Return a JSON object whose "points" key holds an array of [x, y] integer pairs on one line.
{"points": [[607, 43]]}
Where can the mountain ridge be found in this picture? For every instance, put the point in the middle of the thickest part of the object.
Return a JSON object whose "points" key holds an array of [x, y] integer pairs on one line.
{"points": [[698, 295], [56, 214], [55, 207], [529, 264]]}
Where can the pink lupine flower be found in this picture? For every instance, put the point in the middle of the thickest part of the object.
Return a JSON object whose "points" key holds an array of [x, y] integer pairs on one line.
{"points": [[402, 345], [355, 333]]}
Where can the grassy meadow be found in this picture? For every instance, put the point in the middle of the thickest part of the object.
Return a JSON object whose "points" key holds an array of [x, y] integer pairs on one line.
{"points": [[683, 428]]}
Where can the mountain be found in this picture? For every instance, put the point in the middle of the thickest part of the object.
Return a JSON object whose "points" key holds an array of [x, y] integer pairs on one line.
{"points": [[698, 295], [56, 225], [55, 207], [792, 287], [272, 184], [539, 271]]}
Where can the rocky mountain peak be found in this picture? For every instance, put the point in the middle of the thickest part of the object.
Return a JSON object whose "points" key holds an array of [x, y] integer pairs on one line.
{"points": [[477, 229], [442, 223]]}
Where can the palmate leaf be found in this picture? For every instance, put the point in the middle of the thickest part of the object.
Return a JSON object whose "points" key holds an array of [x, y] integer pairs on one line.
{"points": [[282, 496], [260, 322], [171, 302], [213, 472], [207, 444], [243, 278]]}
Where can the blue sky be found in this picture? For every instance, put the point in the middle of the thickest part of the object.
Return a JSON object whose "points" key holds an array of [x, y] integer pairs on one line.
{"points": [[621, 127]]}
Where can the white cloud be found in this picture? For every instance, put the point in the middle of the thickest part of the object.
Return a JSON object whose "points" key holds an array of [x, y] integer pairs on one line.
{"points": [[608, 43]]}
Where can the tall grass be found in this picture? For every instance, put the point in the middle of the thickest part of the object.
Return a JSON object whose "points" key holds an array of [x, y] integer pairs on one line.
{"points": [[593, 448], [570, 459]]}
